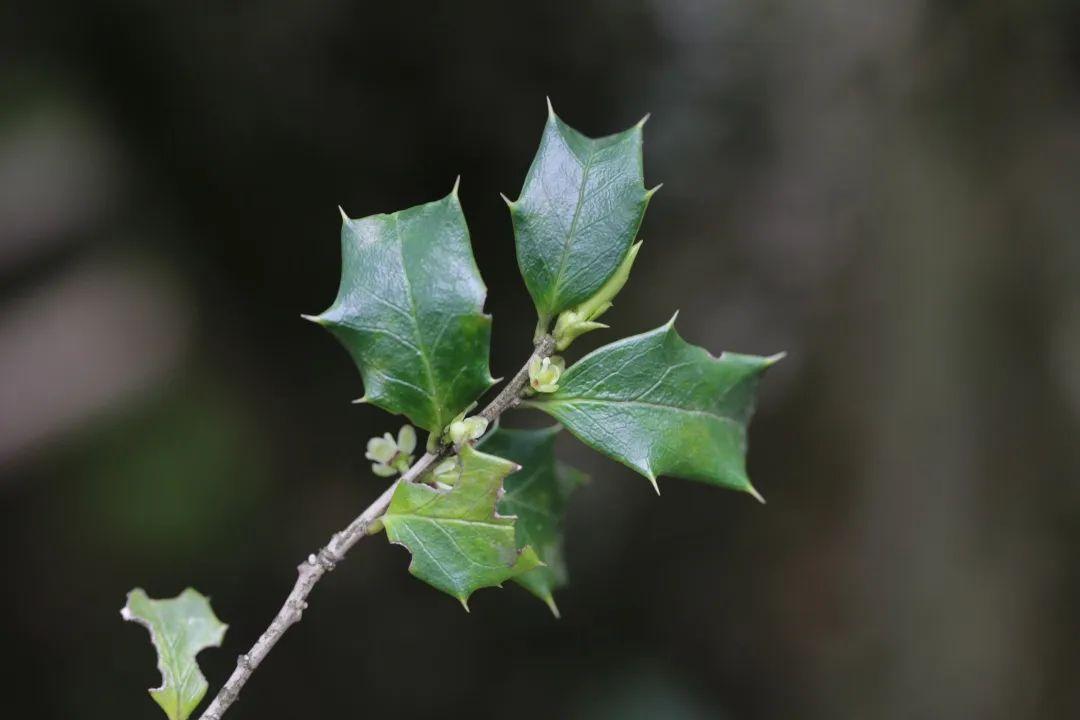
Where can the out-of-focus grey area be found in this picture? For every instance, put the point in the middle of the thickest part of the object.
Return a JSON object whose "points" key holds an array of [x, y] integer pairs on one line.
{"points": [[888, 190]]}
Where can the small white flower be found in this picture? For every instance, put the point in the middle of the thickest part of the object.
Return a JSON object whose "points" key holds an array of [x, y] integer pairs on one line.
{"points": [[381, 449], [383, 470], [406, 439], [544, 374], [392, 456]]}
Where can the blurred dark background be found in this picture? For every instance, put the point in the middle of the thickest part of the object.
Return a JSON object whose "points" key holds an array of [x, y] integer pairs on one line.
{"points": [[888, 190]]}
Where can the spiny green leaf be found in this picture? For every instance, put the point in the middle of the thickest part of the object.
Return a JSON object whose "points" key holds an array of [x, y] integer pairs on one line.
{"points": [[410, 311], [578, 212], [179, 628], [537, 495], [663, 407], [458, 542]]}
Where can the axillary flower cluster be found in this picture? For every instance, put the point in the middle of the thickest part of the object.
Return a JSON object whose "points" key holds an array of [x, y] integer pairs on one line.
{"points": [[544, 374], [392, 456]]}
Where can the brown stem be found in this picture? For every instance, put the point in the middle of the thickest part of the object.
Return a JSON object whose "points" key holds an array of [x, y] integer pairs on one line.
{"points": [[311, 570]]}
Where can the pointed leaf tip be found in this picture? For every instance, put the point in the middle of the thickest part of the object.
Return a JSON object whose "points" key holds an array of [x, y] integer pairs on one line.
{"points": [[550, 602], [344, 217], [754, 493], [457, 184], [317, 319], [641, 123], [773, 359], [550, 109]]}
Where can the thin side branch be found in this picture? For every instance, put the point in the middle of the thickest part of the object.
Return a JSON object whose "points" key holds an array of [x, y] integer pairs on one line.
{"points": [[311, 570]]}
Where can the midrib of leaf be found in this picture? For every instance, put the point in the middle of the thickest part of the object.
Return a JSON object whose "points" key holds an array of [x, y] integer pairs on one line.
{"points": [[433, 393], [460, 551], [169, 659], [450, 521], [429, 554], [577, 213], [643, 403], [464, 554]]}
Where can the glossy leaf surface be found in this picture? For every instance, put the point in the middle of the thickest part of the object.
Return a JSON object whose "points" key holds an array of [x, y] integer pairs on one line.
{"points": [[459, 543], [537, 496], [179, 628], [663, 407], [579, 210], [410, 311]]}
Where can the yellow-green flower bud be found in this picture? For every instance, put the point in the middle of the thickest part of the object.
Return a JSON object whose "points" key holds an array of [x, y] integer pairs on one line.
{"points": [[577, 321], [457, 432], [444, 471], [544, 374], [570, 326], [470, 428]]}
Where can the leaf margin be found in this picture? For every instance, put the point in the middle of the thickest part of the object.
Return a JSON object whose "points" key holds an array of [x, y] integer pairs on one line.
{"points": [[524, 559], [440, 414], [129, 614], [549, 308], [543, 580], [763, 363]]}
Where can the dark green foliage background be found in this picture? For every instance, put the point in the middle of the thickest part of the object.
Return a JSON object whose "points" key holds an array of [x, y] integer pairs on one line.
{"points": [[885, 189]]}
